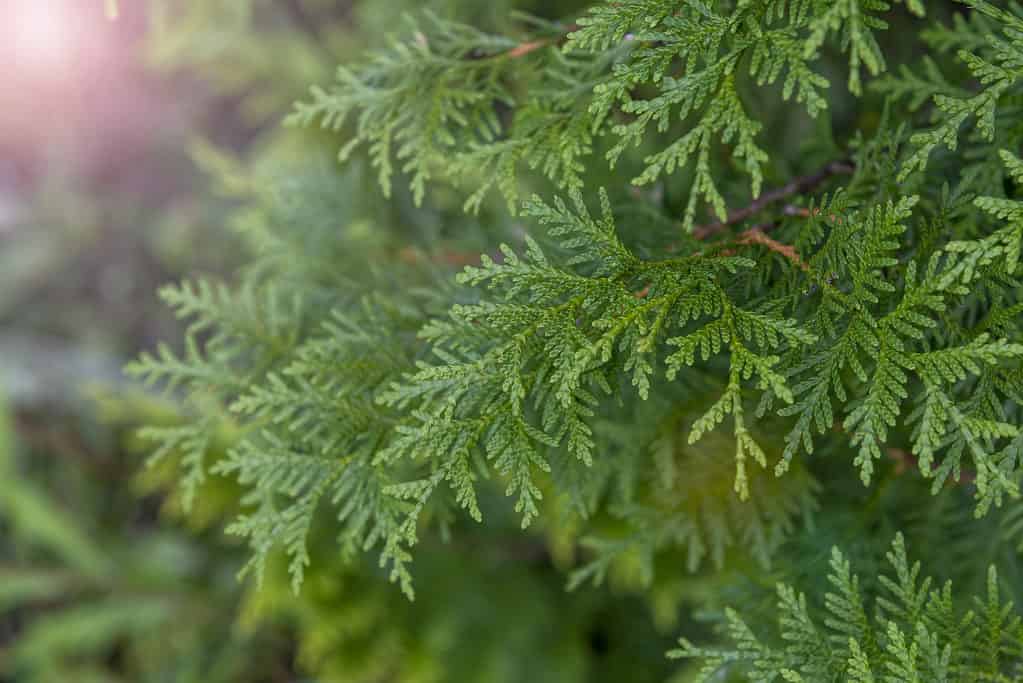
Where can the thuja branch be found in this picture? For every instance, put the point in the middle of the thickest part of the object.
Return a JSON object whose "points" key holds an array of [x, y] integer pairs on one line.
{"points": [[797, 186]]}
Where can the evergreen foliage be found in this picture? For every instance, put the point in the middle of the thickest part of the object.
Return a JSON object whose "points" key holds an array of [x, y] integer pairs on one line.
{"points": [[917, 633], [667, 393]]}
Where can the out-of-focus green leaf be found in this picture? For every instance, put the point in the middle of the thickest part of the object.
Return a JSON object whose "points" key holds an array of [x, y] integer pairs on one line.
{"points": [[20, 587], [32, 515], [84, 630]]}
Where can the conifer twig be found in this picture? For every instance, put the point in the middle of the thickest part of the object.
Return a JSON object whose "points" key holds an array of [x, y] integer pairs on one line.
{"points": [[757, 235], [798, 185], [523, 49]]}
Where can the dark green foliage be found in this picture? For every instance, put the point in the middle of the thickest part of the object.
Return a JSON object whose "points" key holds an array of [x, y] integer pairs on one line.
{"points": [[918, 632]]}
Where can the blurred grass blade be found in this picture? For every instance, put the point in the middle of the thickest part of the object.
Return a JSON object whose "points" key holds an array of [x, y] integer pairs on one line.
{"points": [[85, 630], [36, 518], [22, 587]]}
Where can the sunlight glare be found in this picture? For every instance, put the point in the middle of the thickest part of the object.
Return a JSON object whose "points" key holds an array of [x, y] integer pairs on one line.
{"points": [[44, 37]]}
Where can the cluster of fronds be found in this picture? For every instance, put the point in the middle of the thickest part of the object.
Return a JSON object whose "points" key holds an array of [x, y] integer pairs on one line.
{"points": [[639, 384], [429, 100], [912, 630]]}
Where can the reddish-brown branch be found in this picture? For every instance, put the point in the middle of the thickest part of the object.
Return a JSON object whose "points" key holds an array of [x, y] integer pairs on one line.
{"points": [[448, 257], [756, 235], [520, 50], [799, 185], [523, 49]]}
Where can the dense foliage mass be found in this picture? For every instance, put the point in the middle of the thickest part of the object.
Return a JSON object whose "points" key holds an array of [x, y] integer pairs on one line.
{"points": [[703, 296]]}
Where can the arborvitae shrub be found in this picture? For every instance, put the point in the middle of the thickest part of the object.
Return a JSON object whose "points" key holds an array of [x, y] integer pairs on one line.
{"points": [[703, 296]]}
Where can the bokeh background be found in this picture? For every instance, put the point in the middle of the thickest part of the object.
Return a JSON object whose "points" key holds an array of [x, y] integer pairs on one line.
{"points": [[103, 198], [100, 203]]}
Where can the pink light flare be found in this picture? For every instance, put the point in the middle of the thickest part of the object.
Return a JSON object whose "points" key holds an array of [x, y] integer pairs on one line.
{"points": [[70, 80], [44, 38]]}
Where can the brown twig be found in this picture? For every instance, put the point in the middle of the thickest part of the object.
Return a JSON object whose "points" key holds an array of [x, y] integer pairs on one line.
{"points": [[799, 185], [756, 235], [520, 50], [523, 49], [448, 257]]}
